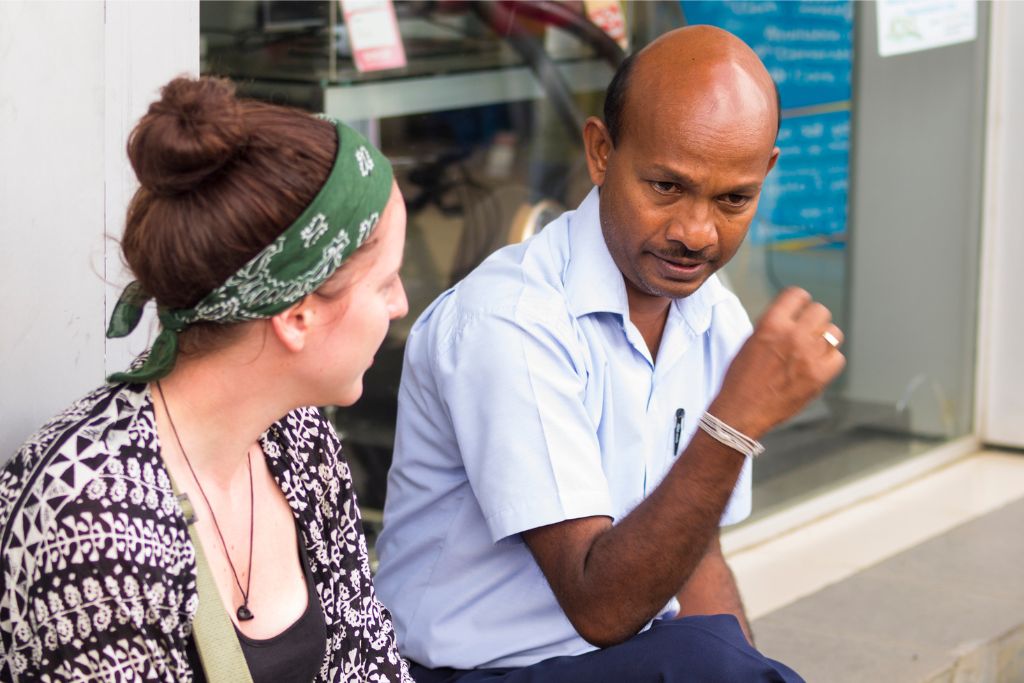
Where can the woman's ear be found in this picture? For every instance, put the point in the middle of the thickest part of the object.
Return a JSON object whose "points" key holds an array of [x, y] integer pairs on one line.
{"points": [[293, 324]]}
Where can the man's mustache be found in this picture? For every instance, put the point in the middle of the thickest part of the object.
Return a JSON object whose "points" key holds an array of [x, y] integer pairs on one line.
{"points": [[684, 254]]}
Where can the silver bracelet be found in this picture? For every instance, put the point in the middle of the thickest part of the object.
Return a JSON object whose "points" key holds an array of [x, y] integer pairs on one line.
{"points": [[730, 437]]}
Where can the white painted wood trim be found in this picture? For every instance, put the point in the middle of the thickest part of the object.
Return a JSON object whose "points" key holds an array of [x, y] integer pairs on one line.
{"points": [[999, 393], [785, 521], [829, 550]]}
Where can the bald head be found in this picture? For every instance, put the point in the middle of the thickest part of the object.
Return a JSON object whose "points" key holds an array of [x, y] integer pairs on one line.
{"points": [[689, 64]]}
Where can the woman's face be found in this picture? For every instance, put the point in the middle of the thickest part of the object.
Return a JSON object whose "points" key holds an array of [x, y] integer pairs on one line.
{"points": [[369, 296]]}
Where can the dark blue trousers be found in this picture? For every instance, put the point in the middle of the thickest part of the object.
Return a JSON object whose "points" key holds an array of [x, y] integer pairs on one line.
{"points": [[704, 649]]}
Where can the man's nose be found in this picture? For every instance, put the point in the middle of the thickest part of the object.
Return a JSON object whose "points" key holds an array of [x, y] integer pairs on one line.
{"points": [[693, 225]]}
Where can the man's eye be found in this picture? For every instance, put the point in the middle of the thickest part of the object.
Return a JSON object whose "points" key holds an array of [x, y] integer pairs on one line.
{"points": [[735, 200], [663, 187]]}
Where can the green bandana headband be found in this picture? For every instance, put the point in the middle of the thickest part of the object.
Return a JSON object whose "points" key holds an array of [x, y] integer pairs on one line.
{"points": [[335, 224]]}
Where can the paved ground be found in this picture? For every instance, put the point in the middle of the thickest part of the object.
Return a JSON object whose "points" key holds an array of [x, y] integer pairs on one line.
{"points": [[950, 609]]}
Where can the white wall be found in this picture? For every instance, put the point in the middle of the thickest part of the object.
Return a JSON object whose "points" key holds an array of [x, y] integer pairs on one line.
{"points": [[74, 76], [1001, 337]]}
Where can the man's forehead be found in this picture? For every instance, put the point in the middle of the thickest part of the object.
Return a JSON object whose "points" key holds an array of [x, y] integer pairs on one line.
{"points": [[711, 116]]}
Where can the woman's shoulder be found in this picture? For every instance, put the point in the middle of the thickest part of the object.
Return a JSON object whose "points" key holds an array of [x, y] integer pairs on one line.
{"points": [[304, 436], [91, 535], [88, 414], [66, 449], [96, 465], [304, 454]]}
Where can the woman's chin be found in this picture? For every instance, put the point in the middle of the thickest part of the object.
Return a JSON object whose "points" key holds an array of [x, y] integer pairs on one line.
{"points": [[351, 395]]}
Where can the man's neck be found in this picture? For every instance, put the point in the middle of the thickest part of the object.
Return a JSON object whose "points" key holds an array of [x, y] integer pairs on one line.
{"points": [[649, 314]]}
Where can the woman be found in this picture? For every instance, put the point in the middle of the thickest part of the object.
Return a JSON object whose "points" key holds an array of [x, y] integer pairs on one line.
{"points": [[271, 242]]}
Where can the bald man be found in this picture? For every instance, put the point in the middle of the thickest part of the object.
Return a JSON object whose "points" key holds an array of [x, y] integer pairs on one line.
{"points": [[577, 417]]}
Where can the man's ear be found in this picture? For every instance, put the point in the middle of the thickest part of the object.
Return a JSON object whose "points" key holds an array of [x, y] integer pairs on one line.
{"points": [[771, 162], [292, 325], [597, 143]]}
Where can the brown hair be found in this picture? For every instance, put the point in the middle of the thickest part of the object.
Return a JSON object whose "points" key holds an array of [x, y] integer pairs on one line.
{"points": [[221, 177]]}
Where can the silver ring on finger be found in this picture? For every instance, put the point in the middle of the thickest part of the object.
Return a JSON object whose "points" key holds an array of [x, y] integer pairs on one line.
{"points": [[831, 339]]}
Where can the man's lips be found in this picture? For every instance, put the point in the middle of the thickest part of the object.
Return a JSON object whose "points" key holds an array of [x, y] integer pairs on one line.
{"points": [[680, 269]]}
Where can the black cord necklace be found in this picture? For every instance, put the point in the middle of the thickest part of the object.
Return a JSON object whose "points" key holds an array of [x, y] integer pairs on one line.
{"points": [[243, 613]]}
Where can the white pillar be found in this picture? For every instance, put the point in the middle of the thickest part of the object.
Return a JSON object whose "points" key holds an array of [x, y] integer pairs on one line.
{"points": [[74, 76], [147, 44], [1000, 416]]}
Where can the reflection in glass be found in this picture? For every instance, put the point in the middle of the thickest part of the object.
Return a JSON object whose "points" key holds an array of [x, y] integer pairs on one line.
{"points": [[483, 127]]}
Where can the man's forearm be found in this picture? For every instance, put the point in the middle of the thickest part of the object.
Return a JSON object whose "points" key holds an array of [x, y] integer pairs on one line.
{"points": [[634, 568], [712, 589]]}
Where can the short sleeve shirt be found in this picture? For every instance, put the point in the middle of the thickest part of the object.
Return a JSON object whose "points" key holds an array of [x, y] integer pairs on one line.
{"points": [[528, 398]]}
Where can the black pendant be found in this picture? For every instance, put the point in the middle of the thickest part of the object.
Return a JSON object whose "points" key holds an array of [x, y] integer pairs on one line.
{"points": [[243, 613]]}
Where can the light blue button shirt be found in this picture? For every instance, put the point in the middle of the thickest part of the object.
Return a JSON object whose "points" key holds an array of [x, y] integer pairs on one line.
{"points": [[528, 398]]}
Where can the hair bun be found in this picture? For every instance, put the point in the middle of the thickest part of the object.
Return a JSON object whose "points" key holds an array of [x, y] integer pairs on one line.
{"points": [[189, 134]]}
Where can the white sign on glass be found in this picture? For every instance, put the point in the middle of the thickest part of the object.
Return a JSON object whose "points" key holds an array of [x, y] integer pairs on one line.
{"points": [[914, 25], [373, 34]]}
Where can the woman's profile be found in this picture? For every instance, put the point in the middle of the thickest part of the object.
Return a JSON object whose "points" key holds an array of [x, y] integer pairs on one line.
{"points": [[270, 241]]}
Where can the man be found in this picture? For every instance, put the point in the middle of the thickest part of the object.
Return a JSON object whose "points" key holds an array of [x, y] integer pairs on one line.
{"points": [[557, 484]]}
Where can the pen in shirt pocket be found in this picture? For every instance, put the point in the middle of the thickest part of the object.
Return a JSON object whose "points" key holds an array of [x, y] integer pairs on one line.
{"points": [[678, 433]]}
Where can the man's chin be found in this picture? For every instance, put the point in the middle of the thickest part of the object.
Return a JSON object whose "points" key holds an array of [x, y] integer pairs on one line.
{"points": [[674, 289]]}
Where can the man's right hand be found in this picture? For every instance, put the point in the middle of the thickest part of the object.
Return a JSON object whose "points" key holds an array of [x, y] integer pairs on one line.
{"points": [[785, 363]]}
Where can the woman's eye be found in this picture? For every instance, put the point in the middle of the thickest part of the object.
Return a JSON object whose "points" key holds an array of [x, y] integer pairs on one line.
{"points": [[663, 187]]}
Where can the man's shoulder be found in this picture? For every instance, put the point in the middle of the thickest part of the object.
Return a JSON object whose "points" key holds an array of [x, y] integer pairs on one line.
{"points": [[524, 280]]}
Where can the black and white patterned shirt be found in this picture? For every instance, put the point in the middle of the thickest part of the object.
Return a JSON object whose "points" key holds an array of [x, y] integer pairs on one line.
{"points": [[98, 579]]}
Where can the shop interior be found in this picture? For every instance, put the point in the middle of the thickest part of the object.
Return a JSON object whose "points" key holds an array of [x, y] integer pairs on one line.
{"points": [[482, 125]]}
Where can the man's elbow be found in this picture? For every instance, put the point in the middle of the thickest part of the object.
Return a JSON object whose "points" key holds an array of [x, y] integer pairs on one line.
{"points": [[601, 631]]}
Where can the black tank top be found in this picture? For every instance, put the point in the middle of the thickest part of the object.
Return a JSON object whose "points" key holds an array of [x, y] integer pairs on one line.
{"points": [[292, 656]]}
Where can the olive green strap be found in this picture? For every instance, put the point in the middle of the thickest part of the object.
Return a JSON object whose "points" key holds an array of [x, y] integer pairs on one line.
{"points": [[219, 650]]}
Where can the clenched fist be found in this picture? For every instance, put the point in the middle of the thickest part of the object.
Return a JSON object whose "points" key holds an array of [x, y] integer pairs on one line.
{"points": [[788, 360]]}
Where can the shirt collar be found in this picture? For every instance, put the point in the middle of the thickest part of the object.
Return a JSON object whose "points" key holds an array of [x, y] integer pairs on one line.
{"points": [[594, 284], [697, 308]]}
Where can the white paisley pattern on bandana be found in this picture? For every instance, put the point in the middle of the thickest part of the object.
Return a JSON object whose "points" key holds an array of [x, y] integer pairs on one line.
{"points": [[254, 284], [98, 579], [365, 161]]}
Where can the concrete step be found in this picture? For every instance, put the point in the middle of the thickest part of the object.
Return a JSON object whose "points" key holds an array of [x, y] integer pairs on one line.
{"points": [[949, 609]]}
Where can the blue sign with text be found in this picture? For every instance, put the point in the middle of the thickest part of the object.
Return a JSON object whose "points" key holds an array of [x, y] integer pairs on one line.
{"points": [[808, 49]]}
